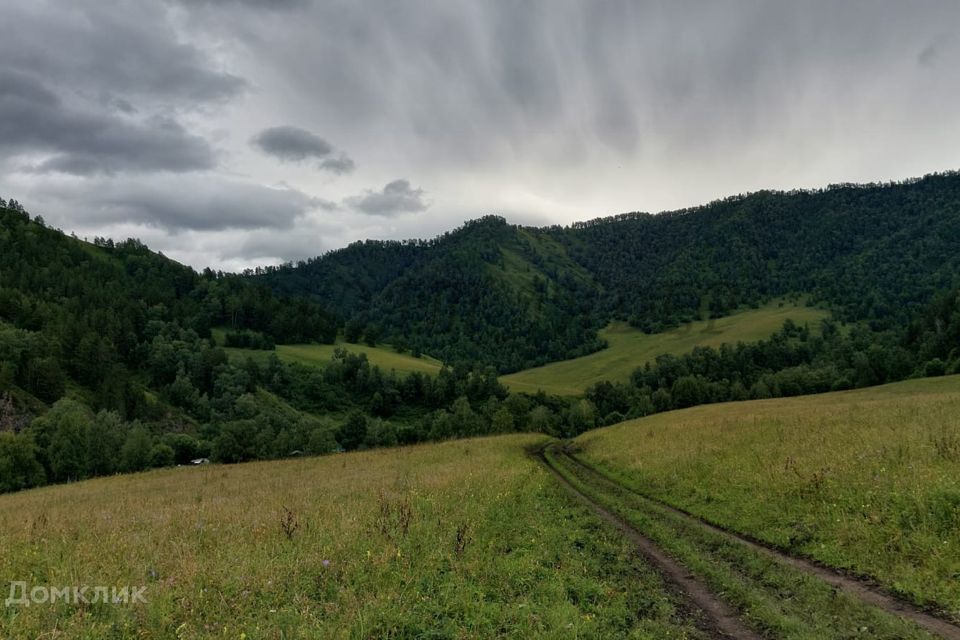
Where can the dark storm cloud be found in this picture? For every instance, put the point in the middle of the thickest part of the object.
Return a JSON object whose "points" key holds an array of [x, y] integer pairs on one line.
{"points": [[34, 119], [291, 144], [557, 81], [338, 165], [395, 198]]}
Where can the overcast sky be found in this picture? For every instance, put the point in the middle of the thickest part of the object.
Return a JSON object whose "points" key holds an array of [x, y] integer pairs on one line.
{"points": [[232, 133]]}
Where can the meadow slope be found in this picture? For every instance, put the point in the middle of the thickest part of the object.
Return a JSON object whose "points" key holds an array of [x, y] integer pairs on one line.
{"points": [[467, 538], [867, 480], [320, 354], [630, 348]]}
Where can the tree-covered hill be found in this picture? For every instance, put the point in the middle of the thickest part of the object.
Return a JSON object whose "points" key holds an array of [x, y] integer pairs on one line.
{"points": [[91, 308], [515, 297], [869, 252], [487, 292]]}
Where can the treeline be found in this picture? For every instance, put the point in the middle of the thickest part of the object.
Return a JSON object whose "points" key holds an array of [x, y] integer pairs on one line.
{"points": [[794, 361], [94, 314], [50, 280], [108, 362]]}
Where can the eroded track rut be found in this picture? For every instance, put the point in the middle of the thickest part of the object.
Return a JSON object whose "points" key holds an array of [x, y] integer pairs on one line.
{"points": [[721, 619]]}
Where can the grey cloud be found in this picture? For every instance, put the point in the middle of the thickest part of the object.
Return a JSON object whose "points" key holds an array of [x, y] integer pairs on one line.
{"points": [[931, 54], [293, 144], [179, 203], [256, 4], [338, 165], [127, 49], [562, 109], [33, 119], [395, 198], [483, 82]]}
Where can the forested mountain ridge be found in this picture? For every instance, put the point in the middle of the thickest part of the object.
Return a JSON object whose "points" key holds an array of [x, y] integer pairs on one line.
{"points": [[869, 252], [516, 297], [105, 358], [487, 292]]}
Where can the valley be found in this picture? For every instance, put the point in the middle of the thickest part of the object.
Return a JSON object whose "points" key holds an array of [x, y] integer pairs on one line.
{"points": [[273, 452], [479, 320]]}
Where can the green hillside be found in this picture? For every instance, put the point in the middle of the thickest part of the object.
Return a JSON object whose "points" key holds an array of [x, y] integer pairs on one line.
{"points": [[486, 293], [464, 539], [629, 348], [108, 364]]}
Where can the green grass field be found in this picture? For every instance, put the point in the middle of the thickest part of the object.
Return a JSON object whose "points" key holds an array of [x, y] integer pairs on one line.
{"points": [[320, 354], [866, 480], [630, 348], [465, 539]]}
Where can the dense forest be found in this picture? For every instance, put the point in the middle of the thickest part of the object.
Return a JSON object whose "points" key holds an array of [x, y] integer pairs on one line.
{"points": [[514, 297]]}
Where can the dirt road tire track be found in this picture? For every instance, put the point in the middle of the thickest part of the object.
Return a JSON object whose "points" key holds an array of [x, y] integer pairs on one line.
{"points": [[860, 588], [720, 620]]}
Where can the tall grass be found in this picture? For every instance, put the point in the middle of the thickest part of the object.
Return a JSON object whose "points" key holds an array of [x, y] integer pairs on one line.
{"points": [[454, 540], [865, 480]]}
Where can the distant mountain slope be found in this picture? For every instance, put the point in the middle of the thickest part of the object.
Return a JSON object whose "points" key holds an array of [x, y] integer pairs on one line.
{"points": [[872, 252], [516, 297], [487, 292]]}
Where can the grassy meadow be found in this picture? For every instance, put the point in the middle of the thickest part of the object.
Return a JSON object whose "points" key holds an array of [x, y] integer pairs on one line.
{"points": [[463, 539], [320, 354], [865, 480], [630, 348]]}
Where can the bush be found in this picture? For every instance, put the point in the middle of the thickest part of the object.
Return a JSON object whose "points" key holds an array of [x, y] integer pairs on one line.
{"points": [[935, 368], [161, 455], [136, 450]]}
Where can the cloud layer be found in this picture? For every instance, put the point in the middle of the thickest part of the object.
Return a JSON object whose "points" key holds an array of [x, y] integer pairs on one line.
{"points": [[206, 125]]}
